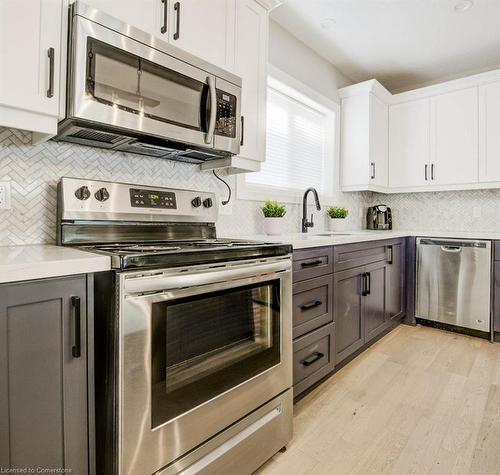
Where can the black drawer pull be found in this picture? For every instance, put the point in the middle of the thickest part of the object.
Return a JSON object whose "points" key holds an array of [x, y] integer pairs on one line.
{"points": [[317, 262], [312, 359], [308, 306], [76, 351], [364, 285], [390, 257]]}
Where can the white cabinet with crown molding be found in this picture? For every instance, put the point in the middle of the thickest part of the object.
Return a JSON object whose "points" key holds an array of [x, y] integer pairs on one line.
{"points": [[364, 137]]}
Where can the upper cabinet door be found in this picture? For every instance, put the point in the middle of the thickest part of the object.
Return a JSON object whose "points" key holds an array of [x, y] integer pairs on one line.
{"points": [[30, 54], [251, 65], [146, 15], [409, 125], [454, 137], [379, 130], [489, 136], [205, 29]]}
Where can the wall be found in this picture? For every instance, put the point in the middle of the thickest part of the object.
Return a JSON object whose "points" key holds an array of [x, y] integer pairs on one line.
{"points": [[289, 54], [34, 171], [444, 211]]}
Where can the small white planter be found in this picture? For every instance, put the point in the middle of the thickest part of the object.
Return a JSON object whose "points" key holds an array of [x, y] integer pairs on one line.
{"points": [[336, 224], [273, 226]]}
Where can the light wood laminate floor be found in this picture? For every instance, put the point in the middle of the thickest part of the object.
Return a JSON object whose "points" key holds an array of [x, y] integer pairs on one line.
{"points": [[419, 401]]}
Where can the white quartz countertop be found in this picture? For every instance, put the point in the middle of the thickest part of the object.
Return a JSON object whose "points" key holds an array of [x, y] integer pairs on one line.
{"points": [[311, 239], [18, 263]]}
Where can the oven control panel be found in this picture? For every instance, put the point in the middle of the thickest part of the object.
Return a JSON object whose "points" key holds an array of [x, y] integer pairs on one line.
{"points": [[102, 200], [226, 114], [140, 198]]}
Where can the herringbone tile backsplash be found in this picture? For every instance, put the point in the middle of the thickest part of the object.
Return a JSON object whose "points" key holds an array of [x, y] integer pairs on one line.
{"points": [[34, 171]]}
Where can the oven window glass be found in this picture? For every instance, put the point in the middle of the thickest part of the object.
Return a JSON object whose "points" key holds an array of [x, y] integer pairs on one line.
{"points": [[133, 84], [205, 345]]}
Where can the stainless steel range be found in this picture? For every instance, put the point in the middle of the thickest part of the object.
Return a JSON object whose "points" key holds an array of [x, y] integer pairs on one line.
{"points": [[192, 333]]}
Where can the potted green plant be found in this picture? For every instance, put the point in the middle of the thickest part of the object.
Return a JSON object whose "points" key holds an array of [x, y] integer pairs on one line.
{"points": [[273, 217], [337, 216]]}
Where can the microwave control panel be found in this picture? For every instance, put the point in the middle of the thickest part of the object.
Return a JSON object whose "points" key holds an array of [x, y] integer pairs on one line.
{"points": [[152, 199], [226, 114]]}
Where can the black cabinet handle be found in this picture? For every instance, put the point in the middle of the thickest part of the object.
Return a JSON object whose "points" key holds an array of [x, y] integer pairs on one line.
{"points": [[308, 306], [426, 168], [76, 351], [312, 359], [242, 141], [364, 286], [432, 171], [177, 8], [368, 283], [390, 256], [317, 262], [165, 17], [50, 90]]}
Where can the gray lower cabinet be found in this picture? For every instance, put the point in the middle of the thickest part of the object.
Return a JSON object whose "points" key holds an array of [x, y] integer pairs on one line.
{"points": [[43, 367], [313, 357], [368, 297], [348, 312], [374, 301], [396, 279]]}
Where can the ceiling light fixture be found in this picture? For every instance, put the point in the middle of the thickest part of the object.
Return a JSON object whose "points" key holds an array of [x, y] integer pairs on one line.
{"points": [[463, 6], [327, 23]]}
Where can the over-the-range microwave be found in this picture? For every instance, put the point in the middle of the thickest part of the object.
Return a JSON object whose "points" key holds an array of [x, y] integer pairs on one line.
{"points": [[127, 90]]}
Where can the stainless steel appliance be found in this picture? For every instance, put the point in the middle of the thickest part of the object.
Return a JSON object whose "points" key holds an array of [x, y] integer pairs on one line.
{"points": [[453, 282], [129, 91], [193, 333], [379, 217]]}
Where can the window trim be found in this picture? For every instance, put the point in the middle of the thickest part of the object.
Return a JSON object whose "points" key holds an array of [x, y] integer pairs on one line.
{"points": [[302, 92]]}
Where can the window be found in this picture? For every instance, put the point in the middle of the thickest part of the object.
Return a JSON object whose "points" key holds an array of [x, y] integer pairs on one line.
{"points": [[300, 144]]}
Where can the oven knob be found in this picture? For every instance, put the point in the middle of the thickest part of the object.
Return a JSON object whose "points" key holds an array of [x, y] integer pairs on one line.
{"points": [[83, 193], [102, 194], [208, 203], [196, 202]]}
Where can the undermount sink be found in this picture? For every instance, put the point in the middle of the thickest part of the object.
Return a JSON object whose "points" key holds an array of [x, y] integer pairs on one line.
{"points": [[333, 234]]}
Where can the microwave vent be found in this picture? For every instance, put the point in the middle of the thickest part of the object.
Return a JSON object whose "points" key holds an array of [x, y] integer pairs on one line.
{"points": [[97, 136]]}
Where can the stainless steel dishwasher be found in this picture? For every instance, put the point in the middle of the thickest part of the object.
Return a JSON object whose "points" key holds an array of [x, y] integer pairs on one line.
{"points": [[453, 282]]}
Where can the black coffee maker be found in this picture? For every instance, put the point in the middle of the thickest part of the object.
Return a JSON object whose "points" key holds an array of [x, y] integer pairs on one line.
{"points": [[379, 217]]}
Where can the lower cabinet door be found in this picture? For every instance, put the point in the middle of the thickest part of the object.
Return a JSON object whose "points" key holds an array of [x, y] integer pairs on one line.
{"points": [[374, 302], [313, 357], [396, 282], [43, 368], [348, 312]]}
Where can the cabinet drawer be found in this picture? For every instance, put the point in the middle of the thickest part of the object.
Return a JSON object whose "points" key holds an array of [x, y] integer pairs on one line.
{"points": [[313, 357], [312, 304], [348, 256], [309, 263]]}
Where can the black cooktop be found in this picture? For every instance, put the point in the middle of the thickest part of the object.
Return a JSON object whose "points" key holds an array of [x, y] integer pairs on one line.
{"points": [[130, 256]]}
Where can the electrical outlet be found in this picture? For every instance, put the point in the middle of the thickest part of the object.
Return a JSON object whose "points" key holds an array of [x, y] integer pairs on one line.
{"points": [[476, 211], [4, 194]]}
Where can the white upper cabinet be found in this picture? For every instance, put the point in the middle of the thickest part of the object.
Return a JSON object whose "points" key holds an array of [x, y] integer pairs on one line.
{"points": [[409, 144], [364, 137], [489, 133], [454, 137], [204, 28], [251, 66], [147, 15], [30, 55]]}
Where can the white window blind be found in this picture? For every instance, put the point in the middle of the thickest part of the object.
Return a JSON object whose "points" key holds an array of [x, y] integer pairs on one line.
{"points": [[300, 135]]}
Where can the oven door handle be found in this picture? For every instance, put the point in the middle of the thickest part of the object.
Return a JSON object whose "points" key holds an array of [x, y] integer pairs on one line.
{"points": [[160, 282]]}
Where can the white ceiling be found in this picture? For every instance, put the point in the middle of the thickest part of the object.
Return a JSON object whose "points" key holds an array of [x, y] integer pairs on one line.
{"points": [[402, 43]]}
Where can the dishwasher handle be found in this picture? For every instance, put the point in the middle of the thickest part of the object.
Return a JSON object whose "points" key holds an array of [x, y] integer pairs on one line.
{"points": [[453, 244], [453, 249]]}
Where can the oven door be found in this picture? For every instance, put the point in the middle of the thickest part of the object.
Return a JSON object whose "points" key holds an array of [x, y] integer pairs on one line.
{"points": [[200, 348], [123, 83]]}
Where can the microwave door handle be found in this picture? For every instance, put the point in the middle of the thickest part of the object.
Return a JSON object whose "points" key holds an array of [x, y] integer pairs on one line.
{"points": [[209, 136]]}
